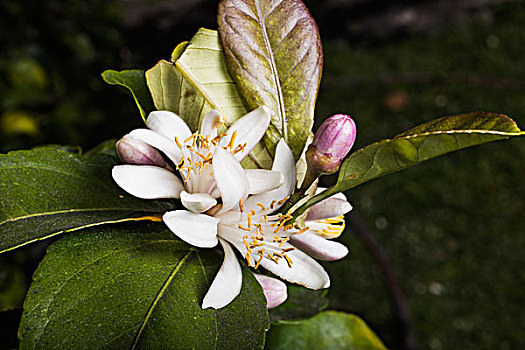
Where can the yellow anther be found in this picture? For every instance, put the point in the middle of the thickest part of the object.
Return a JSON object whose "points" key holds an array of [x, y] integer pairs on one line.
{"points": [[190, 161], [232, 140], [277, 238], [189, 138], [241, 208], [177, 142], [249, 259], [277, 255], [262, 206], [249, 220], [246, 243], [302, 230], [188, 176], [283, 200], [265, 218], [271, 257], [273, 204], [281, 223], [284, 240], [243, 228], [286, 250], [181, 163], [288, 260], [261, 253]]}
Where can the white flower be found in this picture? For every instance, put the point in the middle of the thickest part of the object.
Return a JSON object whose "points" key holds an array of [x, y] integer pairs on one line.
{"points": [[246, 216], [264, 238]]}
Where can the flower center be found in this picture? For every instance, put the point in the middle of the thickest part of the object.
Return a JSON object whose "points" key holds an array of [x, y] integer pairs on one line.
{"points": [[199, 150], [263, 229]]}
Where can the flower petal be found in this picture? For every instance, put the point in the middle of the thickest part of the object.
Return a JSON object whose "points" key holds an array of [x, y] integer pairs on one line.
{"points": [[231, 179], [227, 283], [147, 181], [199, 230], [197, 202], [304, 270], [168, 124], [210, 122], [261, 180], [249, 129], [329, 208], [274, 290], [284, 162], [160, 142], [319, 247]]}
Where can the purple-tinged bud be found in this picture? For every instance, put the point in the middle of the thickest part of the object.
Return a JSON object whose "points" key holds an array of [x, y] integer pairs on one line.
{"points": [[274, 290], [331, 144], [133, 151]]}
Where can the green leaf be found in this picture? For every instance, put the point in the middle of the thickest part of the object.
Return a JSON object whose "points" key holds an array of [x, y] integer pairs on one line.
{"points": [[274, 53], [106, 147], [327, 330], [301, 303], [45, 192], [424, 142], [135, 82], [197, 81], [136, 287]]}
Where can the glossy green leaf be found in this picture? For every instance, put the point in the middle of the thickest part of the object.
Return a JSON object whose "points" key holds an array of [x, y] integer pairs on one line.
{"points": [[45, 192], [327, 330], [135, 82], [301, 303], [424, 142], [136, 287], [274, 53], [196, 81]]}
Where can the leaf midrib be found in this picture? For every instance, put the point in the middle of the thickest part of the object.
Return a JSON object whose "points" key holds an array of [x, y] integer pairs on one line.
{"points": [[273, 66], [163, 288]]}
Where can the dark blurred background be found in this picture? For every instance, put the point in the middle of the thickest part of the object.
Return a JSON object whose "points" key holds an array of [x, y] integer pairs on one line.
{"points": [[452, 230]]}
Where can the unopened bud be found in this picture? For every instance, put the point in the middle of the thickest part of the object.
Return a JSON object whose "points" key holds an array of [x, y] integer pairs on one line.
{"points": [[331, 144], [274, 290], [133, 151]]}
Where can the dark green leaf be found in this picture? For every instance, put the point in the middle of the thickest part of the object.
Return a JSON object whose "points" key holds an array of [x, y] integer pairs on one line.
{"points": [[301, 303], [327, 330], [274, 53], [135, 82], [196, 81], [424, 142], [136, 286], [45, 192], [106, 147]]}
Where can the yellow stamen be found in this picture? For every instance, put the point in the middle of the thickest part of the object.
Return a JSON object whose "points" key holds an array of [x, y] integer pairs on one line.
{"points": [[240, 206], [271, 257], [232, 140], [272, 204], [261, 252], [249, 220], [288, 260], [177, 142], [262, 206], [243, 228], [284, 240], [265, 218], [286, 250], [302, 230]]}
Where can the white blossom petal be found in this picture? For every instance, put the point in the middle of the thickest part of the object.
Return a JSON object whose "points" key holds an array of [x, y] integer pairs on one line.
{"points": [[199, 230], [304, 271], [250, 129], [227, 283], [274, 290], [160, 142], [231, 179], [168, 124], [197, 202], [261, 180], [147, 181], [329, 208], [209, 123], [284, 162], [319, 247]]}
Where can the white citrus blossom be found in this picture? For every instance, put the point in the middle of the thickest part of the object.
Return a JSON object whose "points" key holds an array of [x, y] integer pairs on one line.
{"points": [[246, 217]]}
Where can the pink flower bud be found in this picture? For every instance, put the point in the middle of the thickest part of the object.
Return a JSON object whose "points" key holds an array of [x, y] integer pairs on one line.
{"points": [[133, 151], [331, 144], [274, 290]]}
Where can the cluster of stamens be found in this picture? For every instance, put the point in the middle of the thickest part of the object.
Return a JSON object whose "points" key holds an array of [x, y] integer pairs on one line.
{"points": [[203, 147], [257, 237], [336, 226]]}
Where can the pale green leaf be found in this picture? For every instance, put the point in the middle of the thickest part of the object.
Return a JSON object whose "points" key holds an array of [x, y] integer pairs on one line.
{"points": [[196, 81]]}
